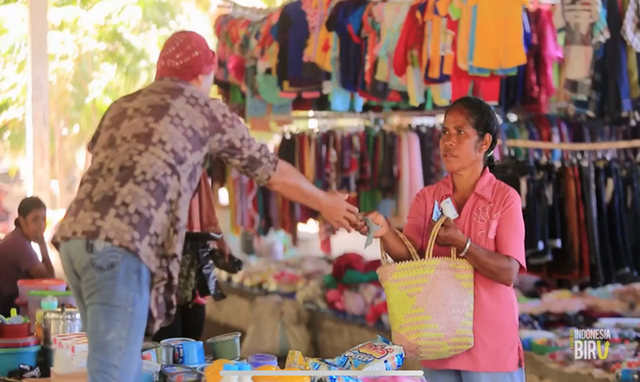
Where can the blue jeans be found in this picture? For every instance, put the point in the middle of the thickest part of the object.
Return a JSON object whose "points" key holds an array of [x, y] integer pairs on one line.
{"points": [[112, 288], [472, 376]]}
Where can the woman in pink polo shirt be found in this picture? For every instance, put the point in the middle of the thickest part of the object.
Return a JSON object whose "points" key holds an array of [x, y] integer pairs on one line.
{"points": [[489, 233]]}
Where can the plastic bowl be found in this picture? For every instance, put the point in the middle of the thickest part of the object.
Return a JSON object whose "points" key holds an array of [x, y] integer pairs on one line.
{"points": [[14, 330], [10, 359]]}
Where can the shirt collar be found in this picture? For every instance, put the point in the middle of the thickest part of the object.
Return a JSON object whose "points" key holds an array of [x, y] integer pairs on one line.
{"points": [[484, 187]]}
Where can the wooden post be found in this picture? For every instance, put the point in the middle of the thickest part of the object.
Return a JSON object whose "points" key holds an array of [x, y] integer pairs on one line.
{"points": [[38, 172]]}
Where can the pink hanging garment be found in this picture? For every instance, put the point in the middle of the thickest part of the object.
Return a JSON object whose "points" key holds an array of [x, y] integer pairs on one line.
{"points": [[416, 180], [404, 195]]}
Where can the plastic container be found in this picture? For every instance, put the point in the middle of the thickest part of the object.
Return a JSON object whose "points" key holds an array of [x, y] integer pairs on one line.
{"points": [[244, 367], [226, 346], [14, 330], [189, 353], [27, 285], [175, 341], [229, 367], [10, 359], [35, 299], [258, 360]]}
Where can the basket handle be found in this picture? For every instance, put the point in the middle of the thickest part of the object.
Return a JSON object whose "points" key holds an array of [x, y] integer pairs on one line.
{"points": [[432, 239], [386, 259]]}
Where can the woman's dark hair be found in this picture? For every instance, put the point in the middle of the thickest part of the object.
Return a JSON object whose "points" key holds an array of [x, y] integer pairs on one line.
{"points": [[483, 119], [27, 205]]}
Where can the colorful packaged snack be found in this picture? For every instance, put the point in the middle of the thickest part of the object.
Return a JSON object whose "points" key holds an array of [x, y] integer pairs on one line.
{"points": [[295, 360], [377, 355]]}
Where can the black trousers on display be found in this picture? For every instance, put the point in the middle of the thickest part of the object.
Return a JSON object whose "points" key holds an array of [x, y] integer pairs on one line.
{"points": [[187, 323]]}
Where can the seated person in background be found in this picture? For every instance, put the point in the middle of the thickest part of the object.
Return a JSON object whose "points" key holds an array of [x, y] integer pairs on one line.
{"points": [[18, 259]]}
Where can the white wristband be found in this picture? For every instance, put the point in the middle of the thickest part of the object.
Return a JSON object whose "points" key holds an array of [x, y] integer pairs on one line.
{"points": [[466, 248]]}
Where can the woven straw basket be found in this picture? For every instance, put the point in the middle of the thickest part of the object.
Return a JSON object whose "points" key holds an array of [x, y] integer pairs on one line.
{"points": [[430, 301]]}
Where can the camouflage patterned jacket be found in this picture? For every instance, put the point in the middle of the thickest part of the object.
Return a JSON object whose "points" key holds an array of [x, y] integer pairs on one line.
{"points": [[147, 158]]}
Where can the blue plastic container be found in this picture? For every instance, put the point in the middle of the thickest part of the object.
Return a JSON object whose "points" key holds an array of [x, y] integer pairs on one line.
{"points": [[10, 359], [258, 360], [243, 366]]}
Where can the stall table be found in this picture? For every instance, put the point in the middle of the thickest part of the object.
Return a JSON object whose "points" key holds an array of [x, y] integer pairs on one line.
{"points": [[332, 335]]}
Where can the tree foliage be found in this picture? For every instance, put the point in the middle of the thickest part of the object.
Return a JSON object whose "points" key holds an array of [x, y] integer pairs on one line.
{"points": [[99, 50]]}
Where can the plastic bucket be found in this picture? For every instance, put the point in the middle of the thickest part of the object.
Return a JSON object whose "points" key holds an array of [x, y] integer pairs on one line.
{"points": [[10, 359], [226, 346]]}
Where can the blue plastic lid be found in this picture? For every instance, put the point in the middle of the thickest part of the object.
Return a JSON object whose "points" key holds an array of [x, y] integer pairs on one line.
{"points": [[229, 367], [244, 367], [258, 360]]}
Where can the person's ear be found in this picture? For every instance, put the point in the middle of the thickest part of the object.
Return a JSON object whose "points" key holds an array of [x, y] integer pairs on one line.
{"points": [[485, 143]]}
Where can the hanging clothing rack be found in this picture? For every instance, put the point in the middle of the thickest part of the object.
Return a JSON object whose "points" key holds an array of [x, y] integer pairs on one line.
{"points": [[262, 11], [432, 118], [595, 146], [353, 115], [244, 9], [435, 118]]}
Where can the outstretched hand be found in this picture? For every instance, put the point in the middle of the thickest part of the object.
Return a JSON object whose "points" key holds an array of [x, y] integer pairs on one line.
{"points": [[337, 211]]}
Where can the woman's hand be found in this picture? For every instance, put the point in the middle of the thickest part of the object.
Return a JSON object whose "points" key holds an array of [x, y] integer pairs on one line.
{"points": [[38, 238], [377, 219], [450, 236]]}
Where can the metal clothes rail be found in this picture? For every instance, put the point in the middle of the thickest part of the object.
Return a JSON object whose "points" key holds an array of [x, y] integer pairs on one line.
{"points": [[435, 118], [350, 119], [354, 115], [594, 146]]}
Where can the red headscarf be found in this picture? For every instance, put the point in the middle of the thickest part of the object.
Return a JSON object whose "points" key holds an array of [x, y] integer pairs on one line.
{"points": [[185, 56]]}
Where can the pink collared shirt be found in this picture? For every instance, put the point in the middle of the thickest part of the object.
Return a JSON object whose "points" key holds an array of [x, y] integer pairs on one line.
{"points": [[492, 218]]}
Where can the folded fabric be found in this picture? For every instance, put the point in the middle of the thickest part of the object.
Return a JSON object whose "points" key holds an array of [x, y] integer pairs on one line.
{"points": [[334, 300], [351, 277], [354, 277], [345, 262], [352, 261], [375, 313]]}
